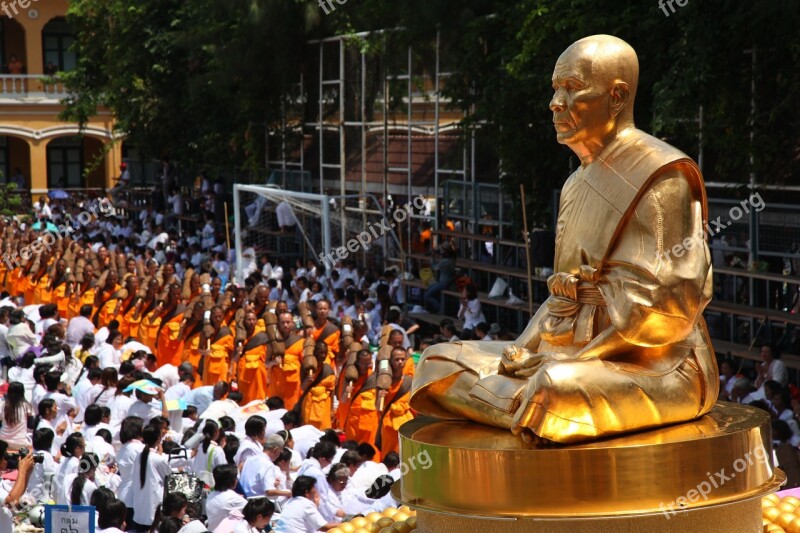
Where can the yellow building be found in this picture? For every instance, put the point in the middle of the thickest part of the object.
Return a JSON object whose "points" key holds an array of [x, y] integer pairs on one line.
{"points": [[34, 41]]}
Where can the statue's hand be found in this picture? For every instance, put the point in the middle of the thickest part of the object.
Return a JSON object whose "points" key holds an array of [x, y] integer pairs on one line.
{"points": [[522, 363]]}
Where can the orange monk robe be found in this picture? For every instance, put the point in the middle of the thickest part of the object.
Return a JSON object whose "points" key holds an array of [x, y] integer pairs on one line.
{"points": [[60, 298], [358, 416], [41, 291], [289, 373], [396, 413], [4, 270], [13, 280], [108, 307], [148, 329], [26, 287], [216, 364], [410, 369], [77, 301], [317, 403], [252, 376], [125, 317], [169, 343], [191, 354], [329, 334]]}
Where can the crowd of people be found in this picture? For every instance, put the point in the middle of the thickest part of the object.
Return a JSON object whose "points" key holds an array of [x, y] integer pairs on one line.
{"points": [[131, 356]]}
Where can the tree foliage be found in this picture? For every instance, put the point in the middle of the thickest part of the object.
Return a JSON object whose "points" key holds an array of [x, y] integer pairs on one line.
{"points": [[192, 78]]}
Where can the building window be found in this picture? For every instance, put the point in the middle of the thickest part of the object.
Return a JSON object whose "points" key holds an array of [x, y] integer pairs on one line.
{"points": [[65, 163], [57, 39]]}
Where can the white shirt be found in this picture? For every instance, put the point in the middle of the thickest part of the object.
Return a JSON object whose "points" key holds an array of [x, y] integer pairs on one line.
{"points": [[146, 499], [6, 516], [99, 395], [305, 437], [472, 313], [299, 515], [119, 406], [145, 411], [41, 472], [258, 476], [220, 504], [200, 463], [247, 448], [65, 495], [125, 458], [16, 435]]}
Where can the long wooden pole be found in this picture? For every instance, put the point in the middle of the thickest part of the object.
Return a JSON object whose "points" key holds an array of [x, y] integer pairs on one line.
{"points": [[227, 228], [527, 249]]}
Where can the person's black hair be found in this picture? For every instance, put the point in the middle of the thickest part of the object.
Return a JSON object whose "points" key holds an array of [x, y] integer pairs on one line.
{"points": [[255, 426], [781, 430], [88, 462], [125, 368], [48, 311], [227, 423], [210, 432], [231, 447], [93, 415], [169, 447], [188, 434], [150, 436], [285, 456], [324, 450], [483, 326], [773, 386], [350, 445], [131, 428], [391, 460], [189, 411], [173, 503], [87, 341], [43, 439], [41, 371], [94, 373], [225, 477], [27, 360], [52, 380], [113, 515], [104, 434], [170, 524], [85, 311], [331, 436], [302, 486], [14, 401], [291, 418], [112, 335], [366, 450], [113, 326], [256, 507], [3, 448], [275, 403], [393, 316], [159, 421], [350, 458], [775, 349], [101, 498], [73, 441]]}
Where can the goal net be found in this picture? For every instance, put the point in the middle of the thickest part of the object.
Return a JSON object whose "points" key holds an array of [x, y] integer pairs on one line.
{"points": [[291, 226]]}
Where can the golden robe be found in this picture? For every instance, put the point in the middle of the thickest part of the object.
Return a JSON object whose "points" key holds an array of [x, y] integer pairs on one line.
{"points": [[633, 262], [396, 412], [317, 401], [253, 375], [216, 364]]}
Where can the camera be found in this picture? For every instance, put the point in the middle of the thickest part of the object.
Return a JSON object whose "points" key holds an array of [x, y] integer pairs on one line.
{"points": [[37, 457]]}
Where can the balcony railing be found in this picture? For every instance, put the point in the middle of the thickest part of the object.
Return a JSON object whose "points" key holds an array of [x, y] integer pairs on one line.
{"points": [[25, 85]]}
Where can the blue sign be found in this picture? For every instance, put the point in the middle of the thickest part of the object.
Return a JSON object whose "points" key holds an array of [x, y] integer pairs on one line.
{"points": [[69, 519]]}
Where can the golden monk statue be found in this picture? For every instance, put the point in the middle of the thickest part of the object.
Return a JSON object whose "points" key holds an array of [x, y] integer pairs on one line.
{"points": [[620, 344]]}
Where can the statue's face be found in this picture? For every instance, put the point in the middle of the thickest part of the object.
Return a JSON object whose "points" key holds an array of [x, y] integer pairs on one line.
{"points": [[581, 102]]}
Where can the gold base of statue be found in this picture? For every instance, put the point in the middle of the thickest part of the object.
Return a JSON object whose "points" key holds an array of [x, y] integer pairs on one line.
{"points": [[677, 478]]}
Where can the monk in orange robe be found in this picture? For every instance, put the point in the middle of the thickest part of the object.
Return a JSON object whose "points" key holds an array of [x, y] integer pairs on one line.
{"points": [[358, 415], [216, 346], [58, 289], [285, 378], [142, 308], [396, 410], [169, 343], [316, 401], [190, 332], [125, 310], [396, 341], [326, 331], [252, 359], [105, 300], [82, 293]]}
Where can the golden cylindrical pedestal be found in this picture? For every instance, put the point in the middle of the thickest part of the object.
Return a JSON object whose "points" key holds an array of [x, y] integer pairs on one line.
{"points": [[678, 478]]}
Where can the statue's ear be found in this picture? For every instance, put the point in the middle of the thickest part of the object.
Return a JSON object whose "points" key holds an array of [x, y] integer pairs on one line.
{"points": [[620, 94]]}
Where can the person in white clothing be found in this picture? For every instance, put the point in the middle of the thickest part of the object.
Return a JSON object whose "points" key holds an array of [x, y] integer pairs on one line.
{"points": [[257, 515], [260, 476], [111, 518], [224, 499], [147, 486], [14, 413], [10, 494], [300, 514], [210, 454], [78, 487], [331, 507], [256, 430], [45, 470], [146, 409], [130, 435], [771, 368], [470, 310]]}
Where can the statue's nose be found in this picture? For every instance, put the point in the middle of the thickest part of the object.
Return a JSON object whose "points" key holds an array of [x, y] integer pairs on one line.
{"points": [[557, 103]]}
